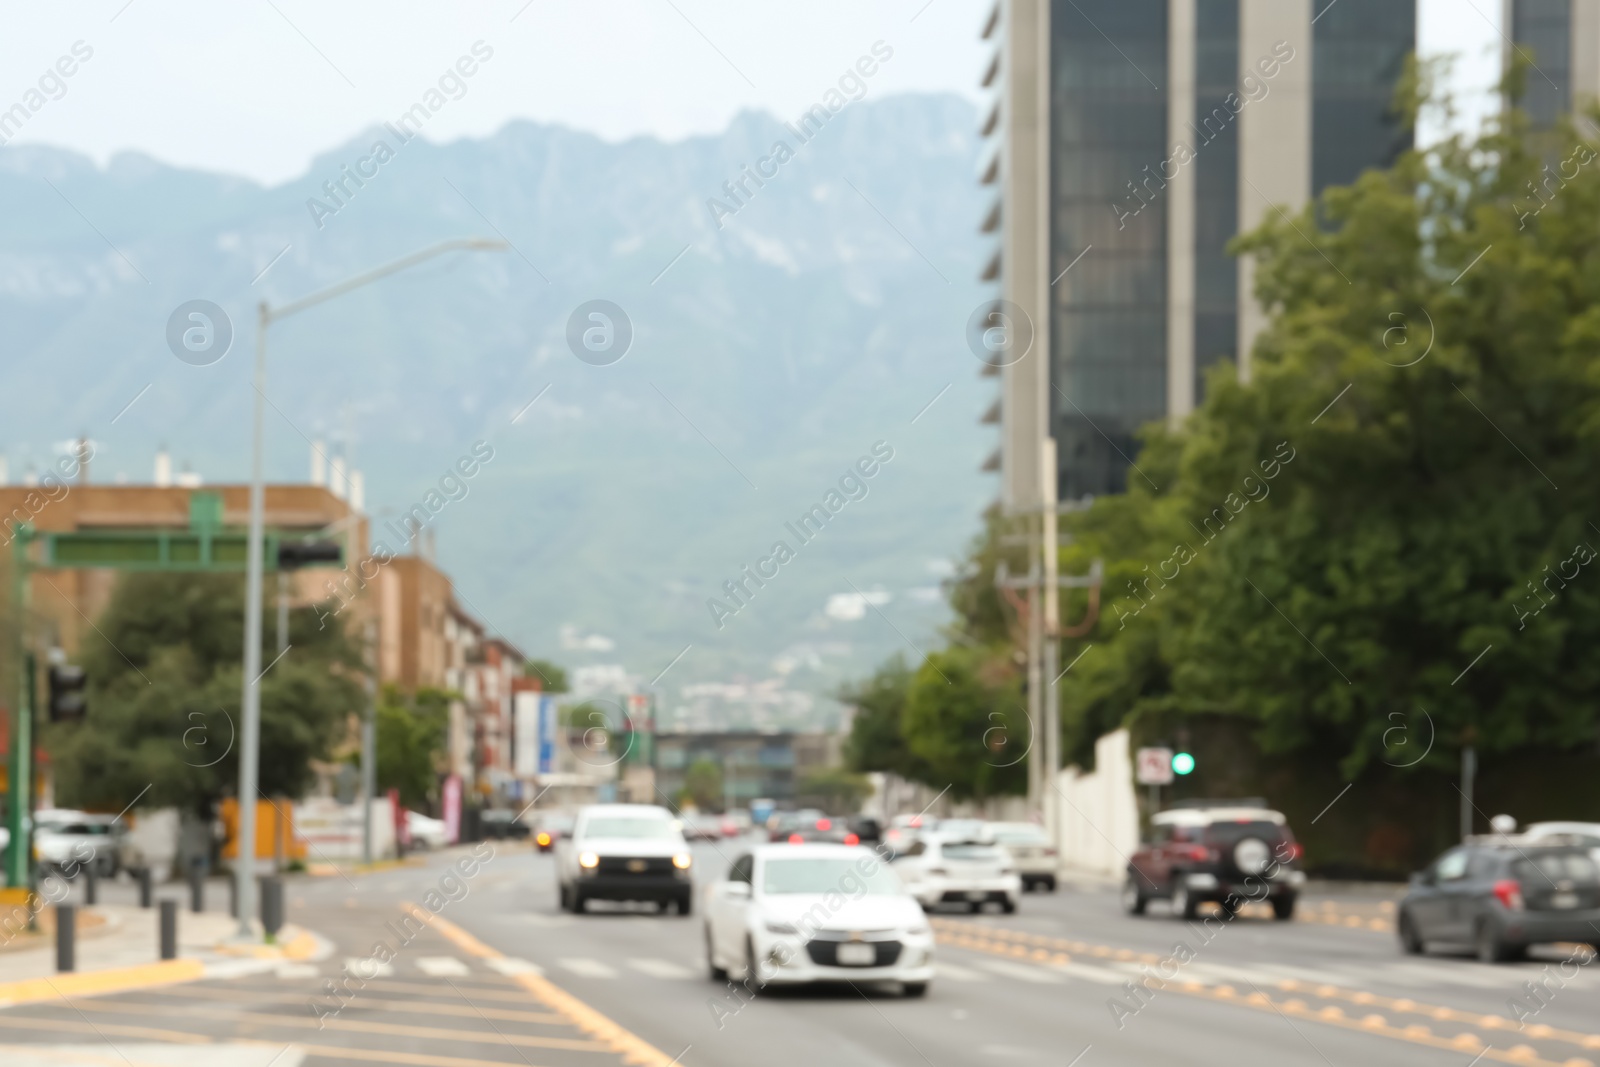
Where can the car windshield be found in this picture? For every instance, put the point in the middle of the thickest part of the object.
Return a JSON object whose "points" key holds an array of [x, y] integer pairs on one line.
{"points": [[631, 826], [1020, 835], [1556, 866], [827, 874]]}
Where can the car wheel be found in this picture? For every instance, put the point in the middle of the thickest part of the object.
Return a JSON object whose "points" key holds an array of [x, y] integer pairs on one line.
{"points": [[1008, 906], [1490, 948], [1184, 905], [686, 904], [1050, 884], [1283, 907], [914, 989], [975, 906], [1133, 898], [1411, 942], [718, 974], [751, 974], [580, 903]]}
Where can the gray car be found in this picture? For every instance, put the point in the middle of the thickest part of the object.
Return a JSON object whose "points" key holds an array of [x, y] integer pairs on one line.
{"points": [[1500, 895]]}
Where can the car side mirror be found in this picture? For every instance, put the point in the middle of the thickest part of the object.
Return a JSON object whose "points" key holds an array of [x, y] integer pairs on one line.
{"points": [[738, 889]]}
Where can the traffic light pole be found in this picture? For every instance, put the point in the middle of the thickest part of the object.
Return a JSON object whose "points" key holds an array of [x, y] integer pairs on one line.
{"points": [[19, 779]]}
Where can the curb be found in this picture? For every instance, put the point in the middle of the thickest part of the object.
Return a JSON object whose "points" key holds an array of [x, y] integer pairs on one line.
{"points": [[92, 983], [632, 1048]]}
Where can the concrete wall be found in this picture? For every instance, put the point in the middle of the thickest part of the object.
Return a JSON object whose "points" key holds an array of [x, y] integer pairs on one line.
{"points": [[1099, 810]]}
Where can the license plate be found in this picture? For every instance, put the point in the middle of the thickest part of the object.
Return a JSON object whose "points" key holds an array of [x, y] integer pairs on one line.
{"points": [[857, 955], [977, 894], [1563, 900]]}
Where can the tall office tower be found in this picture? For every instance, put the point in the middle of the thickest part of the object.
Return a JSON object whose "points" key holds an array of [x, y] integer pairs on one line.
{"points": [[1133, 139], [1561, 39]]}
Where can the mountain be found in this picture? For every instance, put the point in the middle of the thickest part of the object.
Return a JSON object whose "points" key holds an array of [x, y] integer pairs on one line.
{"points": [[778, 337]]}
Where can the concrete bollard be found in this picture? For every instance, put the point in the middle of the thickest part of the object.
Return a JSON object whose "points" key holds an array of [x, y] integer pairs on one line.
{"points": [[169, 929], [233, 895], [143, 875], [91, 884], [66, 937], [197, 889]]}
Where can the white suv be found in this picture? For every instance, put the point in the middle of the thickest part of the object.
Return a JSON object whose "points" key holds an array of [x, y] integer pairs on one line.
{"points": [[625, 852]]}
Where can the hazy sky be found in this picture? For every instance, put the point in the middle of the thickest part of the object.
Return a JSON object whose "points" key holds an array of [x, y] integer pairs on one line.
{"points": [[258, 87]]}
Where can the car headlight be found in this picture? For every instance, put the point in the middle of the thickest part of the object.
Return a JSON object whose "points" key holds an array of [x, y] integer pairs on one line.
{"points": [[682, 860], [775, 926], [588, 860]]}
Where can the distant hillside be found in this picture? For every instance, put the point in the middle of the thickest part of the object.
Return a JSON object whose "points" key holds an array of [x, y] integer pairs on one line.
{"points": [[774, 352]]}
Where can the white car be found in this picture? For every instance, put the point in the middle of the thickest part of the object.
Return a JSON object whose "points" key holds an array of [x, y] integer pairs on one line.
{"points": [[816, 912], [942, 870], [68, 841], [625, 852], [425, 832], [1586, 834], [1031, 850]]}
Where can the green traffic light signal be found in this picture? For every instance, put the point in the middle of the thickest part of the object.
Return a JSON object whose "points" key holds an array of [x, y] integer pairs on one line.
{"points": [[1182, 763]]}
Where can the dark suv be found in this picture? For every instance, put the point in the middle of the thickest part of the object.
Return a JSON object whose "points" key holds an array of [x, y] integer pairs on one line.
{"points": [[1501, 894], [1230, 852]]}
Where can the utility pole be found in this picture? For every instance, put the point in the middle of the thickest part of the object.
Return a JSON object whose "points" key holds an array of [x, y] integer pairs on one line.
{"points": [[1469, 771], [1052, 639], [1035, 689], [283, 609]]}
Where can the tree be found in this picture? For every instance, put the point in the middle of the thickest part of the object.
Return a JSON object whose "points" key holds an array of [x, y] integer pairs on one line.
{"points": [[877, 741], [702, 785], [964, 718], [164, 682], [411, 743], [553, 679], [834, 789]]}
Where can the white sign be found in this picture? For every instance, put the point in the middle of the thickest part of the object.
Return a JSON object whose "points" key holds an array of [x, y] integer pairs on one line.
{"points": [[525, 734], [1153, 766]]}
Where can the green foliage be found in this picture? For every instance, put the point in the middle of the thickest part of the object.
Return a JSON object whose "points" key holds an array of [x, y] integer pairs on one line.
{"points": [[164, 685], [411, 743], [834, 789], [876, 741], [552, 679], [965, 719], [702, 785]]}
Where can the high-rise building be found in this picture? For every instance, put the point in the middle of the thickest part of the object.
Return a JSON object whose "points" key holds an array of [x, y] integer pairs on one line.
{"points": [[1560, 39], [1133, 140]]}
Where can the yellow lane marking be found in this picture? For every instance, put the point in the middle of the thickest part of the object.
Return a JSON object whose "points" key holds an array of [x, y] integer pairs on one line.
{"points": [[75, 1026], [360, 1002], [417, 1059], [426, 1007], [95, 983], [364, 1026], [1002, 941], [632, 1048]]}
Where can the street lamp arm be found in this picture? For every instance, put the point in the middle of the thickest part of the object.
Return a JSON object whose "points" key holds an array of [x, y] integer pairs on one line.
{"points": [[461, 244]]}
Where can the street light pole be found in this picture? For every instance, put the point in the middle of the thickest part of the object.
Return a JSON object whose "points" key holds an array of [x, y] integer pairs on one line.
{"points": [[250, 697]]}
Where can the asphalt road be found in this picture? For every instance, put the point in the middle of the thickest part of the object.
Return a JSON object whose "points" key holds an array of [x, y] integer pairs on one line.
{"points": [[506, 978]]}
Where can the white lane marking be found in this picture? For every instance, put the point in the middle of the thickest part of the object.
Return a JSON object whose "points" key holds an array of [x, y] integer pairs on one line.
{"points": [[660, 968], [442, 967], [1401, 972], [588, 968], [946, 969], [1212, 973], [297, 970], [510, 965], [367, 967], [1024, 972], [533, 918], [1090, 973]]}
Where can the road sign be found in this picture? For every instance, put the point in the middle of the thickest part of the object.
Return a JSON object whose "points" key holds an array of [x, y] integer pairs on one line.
{"points": [[1153, 766]]}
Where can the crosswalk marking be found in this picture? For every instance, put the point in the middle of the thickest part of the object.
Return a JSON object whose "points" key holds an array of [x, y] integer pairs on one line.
{"points": [[660, 968], [588, 968], [367, 967], [1022, 971], [442, 967], [510, 965]]}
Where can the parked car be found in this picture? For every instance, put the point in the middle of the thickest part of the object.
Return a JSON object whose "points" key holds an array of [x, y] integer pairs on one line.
{"points": [[425, 832], [68, 840], [1499, 894], [867, 828], [625, 852], [1229, 853], [942, 870], [503, 824], [701, 827], [1030, 848], [553, 826], [789, 914]]}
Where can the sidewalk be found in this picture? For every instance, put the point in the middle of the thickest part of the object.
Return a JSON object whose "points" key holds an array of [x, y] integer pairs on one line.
{"points": [[123, 952]]}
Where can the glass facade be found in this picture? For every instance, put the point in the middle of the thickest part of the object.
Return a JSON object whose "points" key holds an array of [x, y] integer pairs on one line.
{"points": [[1542, 30], [1108, 148], [1359, 49], [1216, 195]]}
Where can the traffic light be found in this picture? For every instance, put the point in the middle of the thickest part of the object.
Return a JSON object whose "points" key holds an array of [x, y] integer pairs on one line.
{"points": [[293, 554], [67, 702], [1182, 763]]}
